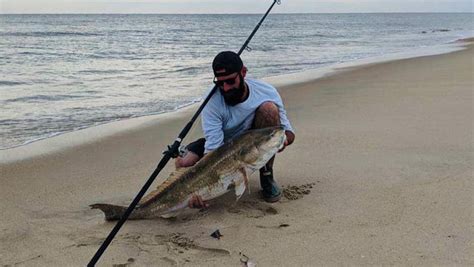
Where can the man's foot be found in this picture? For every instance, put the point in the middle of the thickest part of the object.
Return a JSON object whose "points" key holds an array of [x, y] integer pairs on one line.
{"points": [[270, 191]]}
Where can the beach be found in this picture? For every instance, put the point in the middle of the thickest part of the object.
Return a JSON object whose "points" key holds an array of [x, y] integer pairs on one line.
{"points": [[380, 174]]}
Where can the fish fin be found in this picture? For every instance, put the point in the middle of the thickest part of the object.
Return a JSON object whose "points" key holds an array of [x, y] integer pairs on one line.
{"points": [[248, 172], [169, 215], [153, 195], [246, 177], [112, 212], [239, 189], [241, 184]]}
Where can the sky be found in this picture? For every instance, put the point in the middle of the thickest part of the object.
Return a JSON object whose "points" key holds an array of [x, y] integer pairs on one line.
{"points": [[228, 6]]}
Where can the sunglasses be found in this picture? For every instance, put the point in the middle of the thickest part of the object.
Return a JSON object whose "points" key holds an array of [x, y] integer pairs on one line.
{"points": [[230, 81]]}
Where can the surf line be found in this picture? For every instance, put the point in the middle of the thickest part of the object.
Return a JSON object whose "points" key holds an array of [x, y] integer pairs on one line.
{"points": [[172, 152]]}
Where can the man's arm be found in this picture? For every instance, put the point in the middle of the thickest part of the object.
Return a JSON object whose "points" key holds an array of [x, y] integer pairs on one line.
{"points": [[212, 126]]}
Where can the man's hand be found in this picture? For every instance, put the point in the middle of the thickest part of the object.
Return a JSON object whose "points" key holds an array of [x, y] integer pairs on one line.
{"points": [[196, 202], [290, 138], [188, 160]]}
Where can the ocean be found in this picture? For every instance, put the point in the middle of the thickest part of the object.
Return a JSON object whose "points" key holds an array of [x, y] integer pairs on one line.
{"points": [[61, 73]]}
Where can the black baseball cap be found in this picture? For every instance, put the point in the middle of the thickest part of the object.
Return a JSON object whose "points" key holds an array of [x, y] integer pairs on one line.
{"points": [[226, 62]]}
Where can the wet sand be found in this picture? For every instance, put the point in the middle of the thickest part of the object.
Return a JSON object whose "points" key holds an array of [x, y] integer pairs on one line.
{"points": [[380, 174]]}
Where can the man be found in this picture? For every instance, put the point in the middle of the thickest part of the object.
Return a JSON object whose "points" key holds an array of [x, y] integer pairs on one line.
{"points": [[240, 104]]}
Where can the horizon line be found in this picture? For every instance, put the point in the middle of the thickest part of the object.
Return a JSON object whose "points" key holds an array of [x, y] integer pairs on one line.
{"points": [[276, 13]]}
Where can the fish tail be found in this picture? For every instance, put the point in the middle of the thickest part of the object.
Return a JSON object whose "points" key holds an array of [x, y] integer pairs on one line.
{"points": [[112, 212]]}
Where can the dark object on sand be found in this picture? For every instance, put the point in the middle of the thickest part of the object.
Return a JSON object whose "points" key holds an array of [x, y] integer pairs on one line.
{"points": [[217, 234]]}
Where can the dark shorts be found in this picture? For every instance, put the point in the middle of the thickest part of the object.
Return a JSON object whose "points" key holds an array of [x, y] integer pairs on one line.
{"points": [[197, 147]]}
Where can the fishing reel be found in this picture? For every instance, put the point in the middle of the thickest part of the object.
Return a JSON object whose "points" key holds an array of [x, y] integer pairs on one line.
{"points": [[174, 152]]}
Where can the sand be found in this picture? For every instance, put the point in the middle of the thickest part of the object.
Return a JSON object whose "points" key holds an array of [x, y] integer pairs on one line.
{"points": [[380, 174]]}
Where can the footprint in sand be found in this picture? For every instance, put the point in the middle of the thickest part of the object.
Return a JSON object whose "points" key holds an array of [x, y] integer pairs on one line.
{"points": [[82, 240], [293, 192], [280, 226], [129, 261], [253, 209], [184, 249]]}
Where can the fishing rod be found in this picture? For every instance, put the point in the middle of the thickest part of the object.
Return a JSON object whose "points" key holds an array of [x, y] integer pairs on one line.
{"points": [[172, 152]]}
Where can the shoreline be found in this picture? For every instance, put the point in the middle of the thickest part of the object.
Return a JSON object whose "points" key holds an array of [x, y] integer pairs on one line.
{"points": [[68, 140]]}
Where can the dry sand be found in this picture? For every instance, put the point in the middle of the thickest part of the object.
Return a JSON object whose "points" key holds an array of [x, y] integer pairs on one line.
{"points": [[380, 174]]}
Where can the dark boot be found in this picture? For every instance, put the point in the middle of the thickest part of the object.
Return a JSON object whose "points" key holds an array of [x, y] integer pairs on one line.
{"points": [[270, 190]]}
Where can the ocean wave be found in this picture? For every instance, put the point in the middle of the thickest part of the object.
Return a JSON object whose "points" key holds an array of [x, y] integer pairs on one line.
{"points": [[119, 55], [100, 71], [323, 35], [441, 30], [42, 53], [437, 30], [155, 77], [31, 53], [309, 36], [296, 64], [48, 34], [10, 83], [187, 69], [90, 92], [29, 141], [132, 31], [8, 122], [44, 98]]}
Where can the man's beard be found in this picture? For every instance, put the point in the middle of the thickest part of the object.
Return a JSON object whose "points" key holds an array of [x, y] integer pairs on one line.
{"points": [[234, 96]]}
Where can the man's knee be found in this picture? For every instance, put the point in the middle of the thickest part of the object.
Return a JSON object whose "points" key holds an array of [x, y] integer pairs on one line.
{"points": [[268, 107], [267, 115]]}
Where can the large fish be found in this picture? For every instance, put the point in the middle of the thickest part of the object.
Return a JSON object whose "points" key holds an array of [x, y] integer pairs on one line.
{"points": [[224, 169]]}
